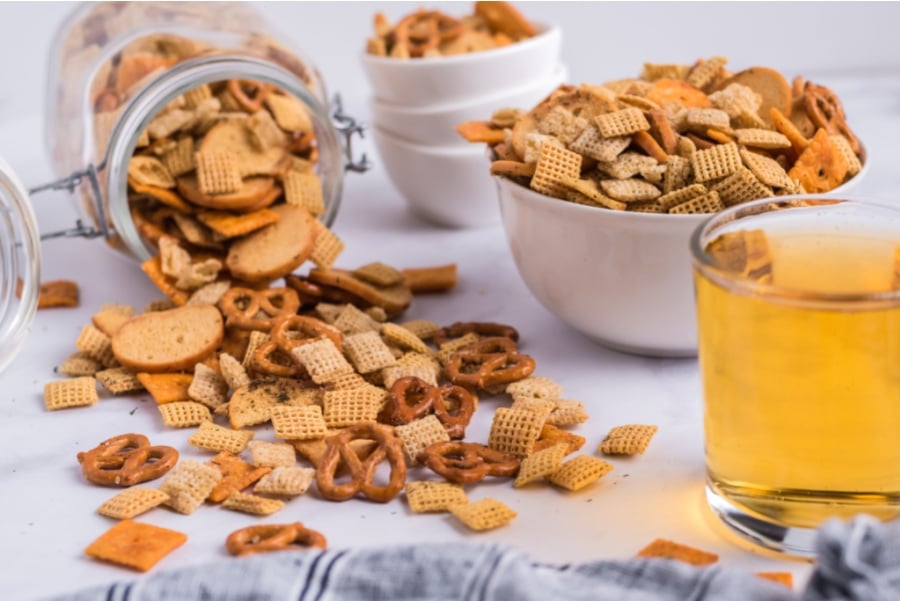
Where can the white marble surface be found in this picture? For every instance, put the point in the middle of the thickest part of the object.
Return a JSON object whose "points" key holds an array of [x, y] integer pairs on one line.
{"points": [[48, 509]]}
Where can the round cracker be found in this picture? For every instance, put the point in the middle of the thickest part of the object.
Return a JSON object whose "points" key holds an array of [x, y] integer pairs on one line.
{"points": [[232, 135], [275, 250], [166, 341], [393, 299], [255, 193], [768, 83]]}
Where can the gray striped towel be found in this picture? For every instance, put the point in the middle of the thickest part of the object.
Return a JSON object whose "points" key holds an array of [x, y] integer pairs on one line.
{"points": [[858, 561]]}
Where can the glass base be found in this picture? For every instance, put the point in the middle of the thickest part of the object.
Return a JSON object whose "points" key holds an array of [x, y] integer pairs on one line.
{"points": [[790, 540]]}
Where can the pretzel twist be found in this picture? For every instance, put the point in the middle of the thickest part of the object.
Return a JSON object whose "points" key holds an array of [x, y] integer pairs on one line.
{"points": [[126, 460]]}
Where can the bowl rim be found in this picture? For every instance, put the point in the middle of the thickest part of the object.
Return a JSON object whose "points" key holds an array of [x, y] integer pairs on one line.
{"points": [[447, 150], [659, 217], [560, 71], [547, 31]]}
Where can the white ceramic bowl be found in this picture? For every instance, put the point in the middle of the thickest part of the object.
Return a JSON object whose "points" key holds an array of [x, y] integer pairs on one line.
{"points": [[447, 185], [436, 125], [623, 279], [450, 79]]}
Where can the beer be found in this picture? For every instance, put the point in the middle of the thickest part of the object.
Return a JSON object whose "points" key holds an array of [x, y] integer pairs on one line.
{"points": [[799, 343]]}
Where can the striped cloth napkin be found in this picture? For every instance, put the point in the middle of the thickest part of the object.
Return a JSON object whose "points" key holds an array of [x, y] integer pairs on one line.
{"points": [[858, 561]]}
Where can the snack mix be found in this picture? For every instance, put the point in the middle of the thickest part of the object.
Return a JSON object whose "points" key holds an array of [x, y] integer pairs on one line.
{"points": [[428, 34], [678, 139]]}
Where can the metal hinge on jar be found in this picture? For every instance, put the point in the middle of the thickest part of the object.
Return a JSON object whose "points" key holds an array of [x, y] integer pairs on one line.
{"points": [[69, 184], [349, 127]]}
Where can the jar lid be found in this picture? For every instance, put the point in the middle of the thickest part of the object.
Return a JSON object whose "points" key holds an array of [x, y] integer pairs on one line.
{"points": [[20, 264]]}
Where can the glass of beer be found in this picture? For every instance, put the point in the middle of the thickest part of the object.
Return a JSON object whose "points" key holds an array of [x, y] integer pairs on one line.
{"points": [[798, 306]]}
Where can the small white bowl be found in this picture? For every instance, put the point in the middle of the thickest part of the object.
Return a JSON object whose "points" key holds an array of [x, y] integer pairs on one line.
{"points": [[623, 279], [450, 79], [436, 125], [446, 185]]}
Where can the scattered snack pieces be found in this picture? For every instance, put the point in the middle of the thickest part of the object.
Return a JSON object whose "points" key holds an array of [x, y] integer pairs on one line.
{"points": [[77, 392], [672, 550], [429, 34], [579, 472], [639, 144], [631, 439], [58, 293], [485, 514], [266, 538], [132, 502], [135, 545], [126, 460], [433, 497]]}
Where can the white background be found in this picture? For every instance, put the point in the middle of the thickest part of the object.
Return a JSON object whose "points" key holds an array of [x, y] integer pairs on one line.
{"points": [[47, 509]]}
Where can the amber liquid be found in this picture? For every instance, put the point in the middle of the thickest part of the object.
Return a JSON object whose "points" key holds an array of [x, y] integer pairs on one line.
{"points": [[802, 401]]}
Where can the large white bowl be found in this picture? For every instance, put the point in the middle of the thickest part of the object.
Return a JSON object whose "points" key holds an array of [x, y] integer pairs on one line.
{"points": [[447, 185], [623, 279], [450, 79], [436, 125]]}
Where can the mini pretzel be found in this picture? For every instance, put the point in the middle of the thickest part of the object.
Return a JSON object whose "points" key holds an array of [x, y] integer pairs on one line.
{"points": [[480, 328], [468, 462], [410, 400], [488, 368], [454, 416], [242, 89], [270, 359], [825, 111], [126, 460], [291, 331], [425, 30], [242, 306], [265, 538], [362, 472]]}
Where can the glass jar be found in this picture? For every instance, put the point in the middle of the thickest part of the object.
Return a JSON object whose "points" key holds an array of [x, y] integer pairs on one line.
{"points": [[114, 67]]}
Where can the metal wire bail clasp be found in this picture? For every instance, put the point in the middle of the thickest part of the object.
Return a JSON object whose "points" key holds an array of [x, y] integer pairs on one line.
{"points": [[349, 127], [70, 183]]}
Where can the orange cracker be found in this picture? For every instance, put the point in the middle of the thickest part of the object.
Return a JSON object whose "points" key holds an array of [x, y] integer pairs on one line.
{"points": [[480, 131], [153, 268], [58, 293], [783, 124], [821, 167], [229, 225], [783, 578], [166, 387], [650, 146], [671, 550], [135, 545], [237, 475]]}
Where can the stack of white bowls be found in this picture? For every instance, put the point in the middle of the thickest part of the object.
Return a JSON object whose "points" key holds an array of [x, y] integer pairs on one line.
{"points": [[417, 104]]}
